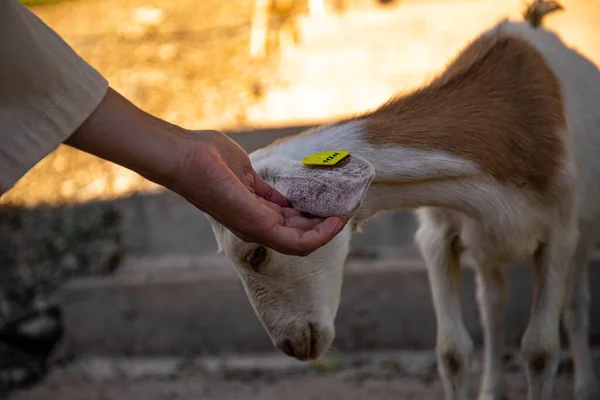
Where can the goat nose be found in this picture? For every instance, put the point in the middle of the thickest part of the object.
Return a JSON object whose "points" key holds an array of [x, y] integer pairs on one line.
{"points": [[286, 347]]}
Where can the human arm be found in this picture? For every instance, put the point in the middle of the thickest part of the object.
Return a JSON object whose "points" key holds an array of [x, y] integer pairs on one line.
{"points": [[207, 168], [49, 96]]}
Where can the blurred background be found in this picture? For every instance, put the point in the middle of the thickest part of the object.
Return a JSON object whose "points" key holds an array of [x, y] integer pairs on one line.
{"points": [[107, 278]]}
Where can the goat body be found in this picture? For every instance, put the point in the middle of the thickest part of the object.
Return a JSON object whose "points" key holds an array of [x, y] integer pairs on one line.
{"points": [[498, 156]]}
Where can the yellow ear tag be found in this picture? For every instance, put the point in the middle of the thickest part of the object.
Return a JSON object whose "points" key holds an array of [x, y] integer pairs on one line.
{"points": [[326, 158]]}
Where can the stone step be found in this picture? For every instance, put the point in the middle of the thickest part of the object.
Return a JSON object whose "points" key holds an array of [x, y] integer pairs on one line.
{"points": [[404, 362], [200, 308], [383, 375]]}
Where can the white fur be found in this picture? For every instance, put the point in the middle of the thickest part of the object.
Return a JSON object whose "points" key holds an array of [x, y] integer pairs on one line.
{"points": [[464, 215]]}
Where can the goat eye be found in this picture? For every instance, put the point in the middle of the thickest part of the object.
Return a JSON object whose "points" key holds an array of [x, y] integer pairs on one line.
{"points": [[256, 257]]}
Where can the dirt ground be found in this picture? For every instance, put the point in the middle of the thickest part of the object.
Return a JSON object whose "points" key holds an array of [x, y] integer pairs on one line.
{"points": [[313, 388], [347, 384]]}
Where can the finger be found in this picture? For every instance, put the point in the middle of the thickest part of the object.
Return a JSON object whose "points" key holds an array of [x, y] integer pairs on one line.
{"points": [[303, 243], [241, 211], [289, 212], [275, 207], [302, 223], [268, 192], [254, 219]]}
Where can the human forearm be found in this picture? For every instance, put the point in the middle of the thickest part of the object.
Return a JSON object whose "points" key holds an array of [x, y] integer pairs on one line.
{"points": [[120, 132]]}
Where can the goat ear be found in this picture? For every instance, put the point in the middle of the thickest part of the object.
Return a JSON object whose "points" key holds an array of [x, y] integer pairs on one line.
{"points": [[324, 191], [217, 231]]}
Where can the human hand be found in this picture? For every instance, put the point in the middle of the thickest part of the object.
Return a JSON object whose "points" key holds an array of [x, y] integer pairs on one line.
{"points": [[216, 175], [206, 168]]}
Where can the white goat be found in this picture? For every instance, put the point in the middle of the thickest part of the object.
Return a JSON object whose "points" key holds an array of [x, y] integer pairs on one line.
{"points": [[499, 155]]}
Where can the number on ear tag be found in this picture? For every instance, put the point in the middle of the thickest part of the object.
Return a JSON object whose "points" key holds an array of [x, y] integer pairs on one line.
{"points": [[326, 158]]}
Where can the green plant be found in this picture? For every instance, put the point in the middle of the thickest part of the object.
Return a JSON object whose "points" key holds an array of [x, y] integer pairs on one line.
{"points": [[38, 3]]}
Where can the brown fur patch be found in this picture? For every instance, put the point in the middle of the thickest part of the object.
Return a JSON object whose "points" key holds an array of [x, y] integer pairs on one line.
{"points": [[497, 104]]}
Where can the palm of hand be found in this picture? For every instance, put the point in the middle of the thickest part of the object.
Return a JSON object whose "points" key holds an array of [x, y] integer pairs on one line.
{"points": [[217, 176]]}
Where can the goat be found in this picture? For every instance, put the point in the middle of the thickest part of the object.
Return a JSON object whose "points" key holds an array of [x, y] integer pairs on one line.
{"points": [[496, 156]]}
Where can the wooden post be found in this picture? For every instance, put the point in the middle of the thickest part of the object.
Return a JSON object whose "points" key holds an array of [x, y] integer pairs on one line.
{"points": [[259, 29]]}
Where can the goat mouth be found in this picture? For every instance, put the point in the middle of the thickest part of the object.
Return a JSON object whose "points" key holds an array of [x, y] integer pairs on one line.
{"points": [[288, 349], [312, 350]]}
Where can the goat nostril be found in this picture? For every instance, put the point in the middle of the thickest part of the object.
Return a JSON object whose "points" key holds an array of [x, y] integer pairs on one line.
{"points": [[287, 348], [312, 340]]}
